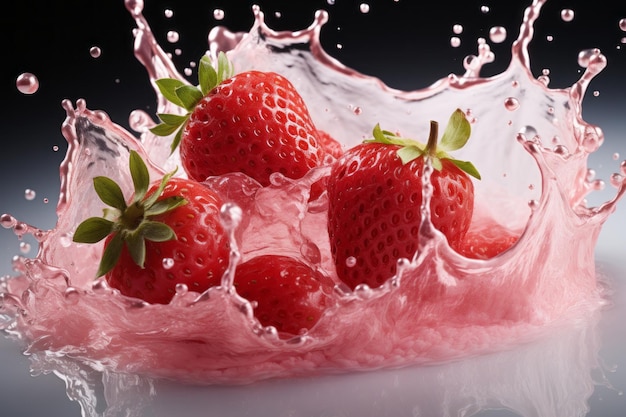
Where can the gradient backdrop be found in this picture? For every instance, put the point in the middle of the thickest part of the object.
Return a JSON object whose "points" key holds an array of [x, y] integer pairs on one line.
{"points": [[394, 41]]}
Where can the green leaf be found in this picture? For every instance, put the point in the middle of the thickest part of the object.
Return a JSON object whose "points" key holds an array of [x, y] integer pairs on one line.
{"points": [[140, 175], [467, 167], [409, 153], [207, 76], [93, 230], [165, 205], [156, 231], [136, 246], [152, 198], [173, 119], [163, 129], [436, 163], [111, 255], [176, 141], [224, 67], [189, 96], [457, 132], [109, 192], [168, 87]]}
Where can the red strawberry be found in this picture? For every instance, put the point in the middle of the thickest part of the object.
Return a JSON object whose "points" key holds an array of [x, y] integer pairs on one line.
{"points": [[488, 242], [375, 194], [253, 122], [330, 145], [289, 295], [169, 233]]}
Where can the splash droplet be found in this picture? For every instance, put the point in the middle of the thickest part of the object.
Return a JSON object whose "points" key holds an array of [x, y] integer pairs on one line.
{"points": [[350, 261], [364, 8], [95, 52], [27, 83], [457, 29], [622, 24], [218, 14], [168, 13], [455, 41], [484, 9], [168, 263], [567, 15], [497, 34], [172, 36], [29, 194], [24, 247]]}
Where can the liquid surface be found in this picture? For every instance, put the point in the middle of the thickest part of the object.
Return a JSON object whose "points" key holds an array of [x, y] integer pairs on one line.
{"points": [[442, 306]]}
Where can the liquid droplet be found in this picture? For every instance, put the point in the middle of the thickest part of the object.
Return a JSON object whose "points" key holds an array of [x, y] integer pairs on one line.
{"points": [[27, 83], [586, 56], [455, 41], [172, 36], [511, 103], [615, 156], [95, 52], [549, 38], [350, 261], [29, 194], [24, 247], [364, 8], [168, 263], [484, 9], [497, 34], [567, 15], [457, 29], [168, 13], [622, 24], [218, 14]]}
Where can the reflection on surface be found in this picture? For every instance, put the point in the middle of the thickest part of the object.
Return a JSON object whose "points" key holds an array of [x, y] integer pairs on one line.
{"points": [[552, 376]]}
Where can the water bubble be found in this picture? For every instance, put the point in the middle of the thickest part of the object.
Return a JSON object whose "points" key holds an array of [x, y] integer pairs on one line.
{"points": [[364, 8], [567, 15], [455, 41], [168, 13], [27, 83], [484, 9], [168, 263], [350, 261], [218, 14], [511, 103], [622, 24], [172, 36], [95, 52], [497, 34], [457, 29], [45, 200], [29, 194]]}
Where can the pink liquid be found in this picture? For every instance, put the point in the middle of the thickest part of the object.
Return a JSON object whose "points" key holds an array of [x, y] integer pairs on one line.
{"points": [[530, 143]]}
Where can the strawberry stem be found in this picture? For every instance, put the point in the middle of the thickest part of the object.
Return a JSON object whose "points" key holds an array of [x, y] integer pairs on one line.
{"points": [[431, 145]]}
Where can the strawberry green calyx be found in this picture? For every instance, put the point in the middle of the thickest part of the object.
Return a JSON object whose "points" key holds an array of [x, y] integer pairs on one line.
{"points": [[128, 224], [187, 96], [455, 136]]}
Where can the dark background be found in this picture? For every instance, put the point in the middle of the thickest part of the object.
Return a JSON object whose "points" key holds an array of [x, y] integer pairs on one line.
{"points": [[406, 43]]}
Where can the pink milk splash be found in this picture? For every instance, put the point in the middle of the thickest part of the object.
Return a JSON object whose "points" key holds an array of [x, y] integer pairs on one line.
{"points": [[529, 142]]}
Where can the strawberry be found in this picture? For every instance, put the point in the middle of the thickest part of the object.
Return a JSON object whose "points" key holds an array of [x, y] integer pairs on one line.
{"points": [[289, 295], [168, 234], [375, 197], [252, 122]]}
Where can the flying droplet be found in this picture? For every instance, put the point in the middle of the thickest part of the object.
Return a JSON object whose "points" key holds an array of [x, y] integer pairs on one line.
{"points": [[622, 24], [497, 34], [168, 13], [30, 194], [364, 8], [484, 9], [27, 83], [172, 36], [95, 52], [567, 15], [218, 14], [457, 29], [455, 41]]}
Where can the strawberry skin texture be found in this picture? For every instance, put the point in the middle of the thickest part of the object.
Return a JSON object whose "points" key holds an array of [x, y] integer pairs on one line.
{"points": [[254, 122], [200, 251], [374, 210], [289, 295]]}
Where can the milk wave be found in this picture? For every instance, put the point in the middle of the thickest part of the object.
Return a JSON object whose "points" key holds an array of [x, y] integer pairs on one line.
{"points": [[440, 306]]}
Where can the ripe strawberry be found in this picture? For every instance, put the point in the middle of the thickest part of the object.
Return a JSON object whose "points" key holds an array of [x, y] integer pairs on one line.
{"points": [[375, 195], [289, 295], [252, 122], [169, 233]]}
